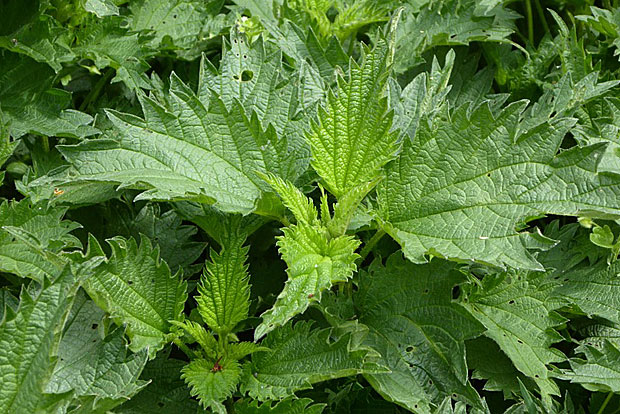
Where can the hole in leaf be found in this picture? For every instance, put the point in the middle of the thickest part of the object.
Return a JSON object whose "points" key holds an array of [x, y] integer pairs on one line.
{"points": [[94, 326], [160, 404], [512, 302], [130, 282], [409, 349], [247, 75], [455, 292]]}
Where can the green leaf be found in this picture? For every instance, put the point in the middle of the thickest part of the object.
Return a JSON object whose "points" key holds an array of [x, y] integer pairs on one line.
{"points": [[109, 43], [101, 8], [166, 391], [138, 290], [519, 312], [6, 145], [353, 139], [31, 236], [449, 23], [600, 370], [491, 364], [287, 406], [605, 22], [469, 180], [192, 152], [252, 73], [205, 339], [212, 386], [96, 368], [224, 291], [185, 26], [298, 358], [418, 330], [27, 30], [8, 303], [28, 340], [314, 264], [594, 289], [30, 103], [602, 124], [302, 207]]}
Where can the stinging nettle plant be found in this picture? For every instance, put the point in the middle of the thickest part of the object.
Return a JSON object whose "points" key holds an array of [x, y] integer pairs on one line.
{"points": [[301, 222]]}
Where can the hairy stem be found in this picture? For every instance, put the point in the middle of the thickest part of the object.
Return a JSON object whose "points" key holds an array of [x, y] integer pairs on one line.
{"points": [[541, 15], [604, 405], [371, 243], [190, 354], [530, 21]]}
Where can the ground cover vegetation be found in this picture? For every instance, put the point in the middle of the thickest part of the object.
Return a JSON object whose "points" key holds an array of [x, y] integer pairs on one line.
{"points": [[309, 206]]}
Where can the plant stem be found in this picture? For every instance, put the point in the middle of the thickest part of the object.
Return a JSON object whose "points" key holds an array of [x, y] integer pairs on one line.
{"points": [[46, 143], [604, 405], [94, 93], [541, 14], [371, 243], [190, 354], [530, 21]]}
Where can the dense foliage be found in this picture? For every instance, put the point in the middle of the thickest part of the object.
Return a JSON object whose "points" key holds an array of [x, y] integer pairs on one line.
{"points": [[309, 206]]}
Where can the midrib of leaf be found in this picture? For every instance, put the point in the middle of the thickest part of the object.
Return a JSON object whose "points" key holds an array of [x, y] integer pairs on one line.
{"points": [[144, 302], [367, 106]]}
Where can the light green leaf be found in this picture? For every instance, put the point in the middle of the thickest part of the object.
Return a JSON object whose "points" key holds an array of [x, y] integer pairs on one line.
{"points": [[418, 330], [101, 8], [302, 207], [603, 126], [31, 236], [519, 312], [314, 263], [298, 358], [224, 291], [199, 334], [214, 222], [95, 367], [353, 139], [469, 180], [28, 340], [212, 385], [287, 406], [138, 290]]}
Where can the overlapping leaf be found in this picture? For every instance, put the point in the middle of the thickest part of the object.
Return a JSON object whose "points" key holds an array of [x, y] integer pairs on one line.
{"points": [[519, 312], [28, 339], [94, 367], [353, 139], [138, 290], [464, 186], [31, 236], [224, 291], [299, 357], [418, 331]]}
